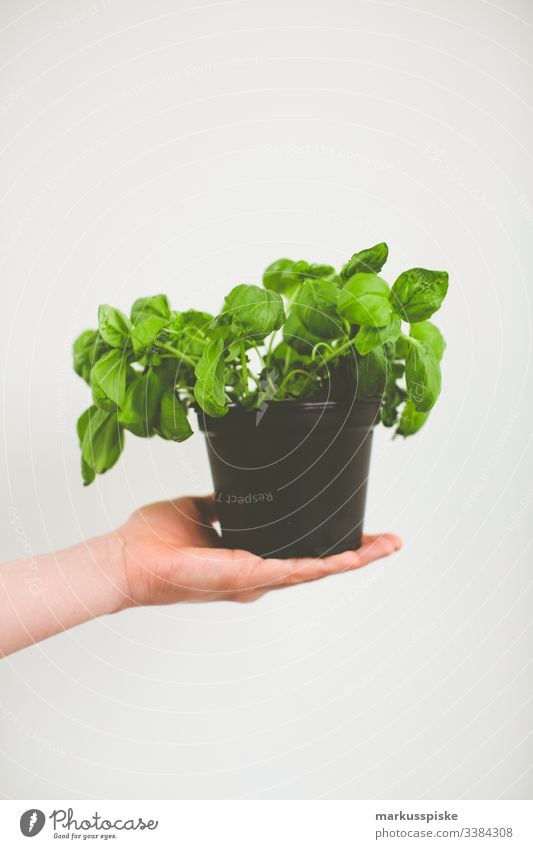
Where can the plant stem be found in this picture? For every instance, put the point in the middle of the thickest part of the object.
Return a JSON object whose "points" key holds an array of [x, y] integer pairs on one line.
{"points": [[259, 354], [335, 352], [244, 369], [178, 354], [270, 346], [285, 379], [320, 345], [287, 358]]}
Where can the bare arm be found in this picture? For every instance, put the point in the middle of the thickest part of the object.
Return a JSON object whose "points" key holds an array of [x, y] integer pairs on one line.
{"points": [[165, 553], [50, 593]]}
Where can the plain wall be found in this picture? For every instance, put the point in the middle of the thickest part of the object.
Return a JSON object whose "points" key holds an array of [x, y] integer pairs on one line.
{"points": [[180, 147]]}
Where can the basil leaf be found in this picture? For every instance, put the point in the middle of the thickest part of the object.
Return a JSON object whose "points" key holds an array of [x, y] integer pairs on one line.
{"points": [[141, 404], [153, 305], [173, 421], [411, 419], [197, 320], [87, 349], [368, 338], [176, 323], [147, 333], [430, 335], [316, 308], [281, 277], [298, 336], [258, 311], [364, 300], [83, 422], [371, 260], [401, 348], [195, 332], [422, 375], [371, 374], [393, 397], [418, 293], [101, 442], [209, 389], [322, 272], [114, 326], [87, 470], [287, 354], [108, 381]]}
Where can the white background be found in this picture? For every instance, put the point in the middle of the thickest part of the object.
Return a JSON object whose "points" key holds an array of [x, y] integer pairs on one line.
{"points": [[180, 147]]}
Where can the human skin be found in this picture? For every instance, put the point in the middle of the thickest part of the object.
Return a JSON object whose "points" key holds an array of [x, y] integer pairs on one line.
{"points": [[165, 553]]}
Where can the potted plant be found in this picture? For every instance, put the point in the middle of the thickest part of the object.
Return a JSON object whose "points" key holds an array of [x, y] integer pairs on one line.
{"points": [[287, 382]]}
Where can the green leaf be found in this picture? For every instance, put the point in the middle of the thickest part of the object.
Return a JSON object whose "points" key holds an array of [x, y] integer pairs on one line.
{"points": [[287, 354], [87, 349], [315, 305], [146, 334], [87, 471], [364, 300], [322, 272], [258, 311], [301, 268], [280, 276], [101, 442], [397, 369], [298, 336], [176, 323], [209, 389], [173, 421], [422, 375], [196, 319], [369, 261], [418, 293], [411, 419], [371, 374], [401, 348], [141, 403], [83, 422], [195, 332], [368, 338], [430, 335], [114, 326], [153, 305], [108, 381], [393, 397]]}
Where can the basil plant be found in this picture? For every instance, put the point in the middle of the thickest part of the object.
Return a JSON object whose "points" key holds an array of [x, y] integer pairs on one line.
{"points": [[308, 333]]}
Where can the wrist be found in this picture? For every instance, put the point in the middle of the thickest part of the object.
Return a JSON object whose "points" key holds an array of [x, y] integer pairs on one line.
{"points": [[108, 554]]}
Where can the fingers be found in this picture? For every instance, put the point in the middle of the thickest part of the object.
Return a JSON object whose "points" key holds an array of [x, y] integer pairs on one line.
{"points": [[370, 538], [300, 570], [227, 571]]}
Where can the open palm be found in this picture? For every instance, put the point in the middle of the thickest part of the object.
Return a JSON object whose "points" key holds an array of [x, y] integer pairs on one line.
{"points": [[171, 553]]}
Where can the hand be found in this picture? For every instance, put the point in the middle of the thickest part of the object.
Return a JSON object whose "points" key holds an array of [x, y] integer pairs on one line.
{"points": [[171, 553]]}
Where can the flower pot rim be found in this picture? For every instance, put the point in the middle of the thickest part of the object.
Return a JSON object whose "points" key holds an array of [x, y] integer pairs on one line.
{"points": [[297, 404], [359, 413]]}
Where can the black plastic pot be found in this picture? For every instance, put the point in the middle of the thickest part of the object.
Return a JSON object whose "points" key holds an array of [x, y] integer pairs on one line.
{"points": [[290, 479]]}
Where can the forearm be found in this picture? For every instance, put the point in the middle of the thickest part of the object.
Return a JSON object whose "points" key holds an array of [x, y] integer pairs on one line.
{"points": [[42, 596]]}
